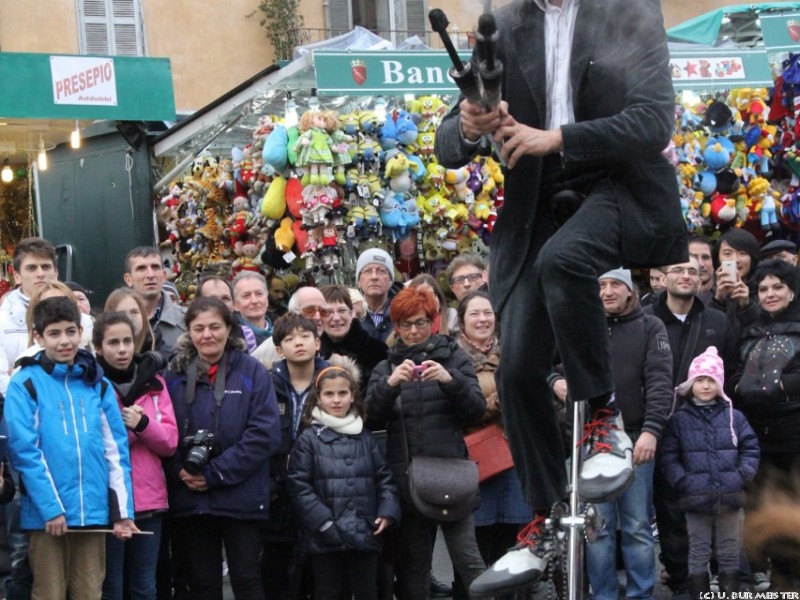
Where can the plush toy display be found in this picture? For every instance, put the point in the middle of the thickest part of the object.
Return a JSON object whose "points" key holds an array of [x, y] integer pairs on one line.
{"points": [[305, 200]]}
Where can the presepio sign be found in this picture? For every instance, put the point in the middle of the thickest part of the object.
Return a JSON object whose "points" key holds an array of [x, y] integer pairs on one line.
{"points": [[82, 80]]}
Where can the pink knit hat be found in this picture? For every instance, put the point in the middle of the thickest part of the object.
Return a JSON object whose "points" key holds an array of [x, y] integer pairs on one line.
{"points": [[708, 364]]}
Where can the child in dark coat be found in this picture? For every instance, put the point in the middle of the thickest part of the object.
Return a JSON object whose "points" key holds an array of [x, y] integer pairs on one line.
{"points": [[709, 453], [342, 488]]}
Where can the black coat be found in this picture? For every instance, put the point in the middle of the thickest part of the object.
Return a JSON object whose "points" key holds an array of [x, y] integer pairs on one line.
{"points": [[642, 364], [344, 479], [434, 413], [700, 460], [714, 330], [624, 111], [363, 348], [768, 380]]}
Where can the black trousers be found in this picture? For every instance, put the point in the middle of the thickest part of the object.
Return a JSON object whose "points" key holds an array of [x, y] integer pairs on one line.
{"points": [[332, 571], [672, 534], [202, 538], [555, 306]]}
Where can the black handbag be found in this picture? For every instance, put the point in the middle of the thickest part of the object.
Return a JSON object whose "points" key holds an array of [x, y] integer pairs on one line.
{"points": [[443, 489]]}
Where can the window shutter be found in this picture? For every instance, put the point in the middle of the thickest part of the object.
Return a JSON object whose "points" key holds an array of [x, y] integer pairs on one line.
{"points": [[340, 18], [415, 18], [111, 27]]}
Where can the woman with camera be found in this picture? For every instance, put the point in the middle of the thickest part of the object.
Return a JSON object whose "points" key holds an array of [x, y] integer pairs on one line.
{"points": [[219, 477], [423, 395]]}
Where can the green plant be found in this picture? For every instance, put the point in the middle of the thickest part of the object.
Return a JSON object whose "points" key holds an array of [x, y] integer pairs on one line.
{"points": [[283, 23]]}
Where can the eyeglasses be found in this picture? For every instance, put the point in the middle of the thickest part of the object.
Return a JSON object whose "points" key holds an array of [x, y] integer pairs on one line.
{"points": [[339, 312], [310, 311], [407, 325], [472, 278], [379, 271], [691, 271]]}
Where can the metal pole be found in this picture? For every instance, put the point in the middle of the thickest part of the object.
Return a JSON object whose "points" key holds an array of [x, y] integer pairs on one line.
{"points": [[577, 522]]}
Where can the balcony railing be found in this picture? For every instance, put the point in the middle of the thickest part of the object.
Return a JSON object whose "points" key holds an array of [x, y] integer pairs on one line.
{"points": [[397, 36]]}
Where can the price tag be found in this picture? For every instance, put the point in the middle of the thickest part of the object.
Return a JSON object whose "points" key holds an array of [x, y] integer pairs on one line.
{"points": [[289, 256]]}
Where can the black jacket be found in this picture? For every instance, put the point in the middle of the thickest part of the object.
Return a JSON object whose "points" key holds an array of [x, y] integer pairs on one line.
{"points": [[768, 380], [642, 365], [363, 348], [434, 413], [344, 479], [714, 329]]}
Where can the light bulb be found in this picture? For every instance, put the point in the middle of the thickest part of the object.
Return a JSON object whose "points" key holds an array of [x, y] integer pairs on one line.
{"points": [[291, 119], [75, 137], [7, 174], [41, 158]]}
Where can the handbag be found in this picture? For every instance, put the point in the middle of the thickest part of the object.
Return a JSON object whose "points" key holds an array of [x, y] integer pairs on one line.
{"points": [[442, 489], [489, 448]]}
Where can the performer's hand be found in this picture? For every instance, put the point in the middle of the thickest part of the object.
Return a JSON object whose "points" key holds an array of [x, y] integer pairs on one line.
{"points": [[477, 121], [645, 448], [519, 140], [57, 526], [403, 372]]}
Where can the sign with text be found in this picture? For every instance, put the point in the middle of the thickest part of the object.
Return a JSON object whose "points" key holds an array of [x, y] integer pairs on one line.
{"points": [[83, 80], [365, 72], [61, 86]]}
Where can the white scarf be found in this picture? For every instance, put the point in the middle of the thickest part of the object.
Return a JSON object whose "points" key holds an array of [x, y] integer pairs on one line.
{"points": [[351, 424]]}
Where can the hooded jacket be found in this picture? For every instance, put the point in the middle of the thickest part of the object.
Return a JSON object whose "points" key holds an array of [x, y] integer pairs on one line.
{"points": [[156, 435], [642, 364], [68, 443], [344, 479], [701, 459], [768, 380], [248, 433], [434, 413]]}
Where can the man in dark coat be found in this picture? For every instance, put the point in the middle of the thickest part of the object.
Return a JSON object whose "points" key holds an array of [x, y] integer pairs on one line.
{"points": [[692, 327], [587, 107]]}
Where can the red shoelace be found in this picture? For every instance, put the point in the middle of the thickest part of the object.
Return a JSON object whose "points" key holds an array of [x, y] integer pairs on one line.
{"points": [[597, 429], [531, 533]]}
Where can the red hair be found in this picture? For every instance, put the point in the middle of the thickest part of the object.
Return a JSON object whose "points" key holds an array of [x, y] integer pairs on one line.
{"points": [[409, 302]]}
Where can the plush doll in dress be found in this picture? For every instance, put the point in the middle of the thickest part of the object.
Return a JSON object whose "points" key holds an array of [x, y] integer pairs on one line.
{"points": [[321, 146]]}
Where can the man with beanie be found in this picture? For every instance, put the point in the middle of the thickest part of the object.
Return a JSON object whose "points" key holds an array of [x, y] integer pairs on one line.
{"points": [[709, 453], [642, 365], [375, 274], [691, 327]]}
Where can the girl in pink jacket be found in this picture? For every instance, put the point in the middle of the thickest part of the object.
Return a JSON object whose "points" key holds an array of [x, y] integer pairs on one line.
{"points": [[152, 435]]}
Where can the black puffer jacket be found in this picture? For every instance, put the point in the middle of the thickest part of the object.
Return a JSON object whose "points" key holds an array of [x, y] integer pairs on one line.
{"points": [[768, 382], [344, 479], [366, 350], [435, 414]]}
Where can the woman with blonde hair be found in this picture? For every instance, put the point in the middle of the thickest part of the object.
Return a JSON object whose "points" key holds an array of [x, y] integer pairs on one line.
{"points": [[54, 289], [130, 302]]}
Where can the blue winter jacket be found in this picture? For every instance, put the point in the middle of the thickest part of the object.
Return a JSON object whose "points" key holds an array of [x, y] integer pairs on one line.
{"points": [[344, 479], [247, 435], [700, 460], [68, 443]]}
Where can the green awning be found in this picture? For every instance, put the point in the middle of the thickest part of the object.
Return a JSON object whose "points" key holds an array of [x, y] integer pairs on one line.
{"points": [[705, 28], [58, 86]]}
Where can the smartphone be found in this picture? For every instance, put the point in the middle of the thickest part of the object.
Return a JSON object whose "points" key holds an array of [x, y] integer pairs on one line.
{"points": [[729, 268]]}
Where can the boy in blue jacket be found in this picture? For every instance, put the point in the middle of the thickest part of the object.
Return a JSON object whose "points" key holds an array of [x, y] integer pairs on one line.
{"points": [[709, 453], [68, 442]]}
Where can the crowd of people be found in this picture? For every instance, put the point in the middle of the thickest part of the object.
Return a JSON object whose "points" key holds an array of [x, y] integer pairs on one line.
{"points": [[178, 439]]}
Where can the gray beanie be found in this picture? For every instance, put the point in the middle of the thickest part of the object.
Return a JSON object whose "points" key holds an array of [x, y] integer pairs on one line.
{"points": [[623, 275], [377, 256]]}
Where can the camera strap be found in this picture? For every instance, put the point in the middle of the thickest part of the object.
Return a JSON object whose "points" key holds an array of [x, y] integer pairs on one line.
{"points": [[191, 390]]}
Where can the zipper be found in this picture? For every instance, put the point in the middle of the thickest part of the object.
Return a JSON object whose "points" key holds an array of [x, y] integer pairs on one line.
{"points": [[78, 448]]}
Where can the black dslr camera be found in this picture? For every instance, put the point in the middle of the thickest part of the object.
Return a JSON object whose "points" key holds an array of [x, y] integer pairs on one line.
{"points": [[198, 450]]}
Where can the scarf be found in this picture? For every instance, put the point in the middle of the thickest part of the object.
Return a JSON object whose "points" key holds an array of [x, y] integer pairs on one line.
{"points": [[123, 379], [482, 348], [351, 424], [264, 332]]}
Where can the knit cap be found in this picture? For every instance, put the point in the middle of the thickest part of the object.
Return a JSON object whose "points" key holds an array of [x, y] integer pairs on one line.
{"points": [[623, 275], [377, 256], [708, 364]]}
